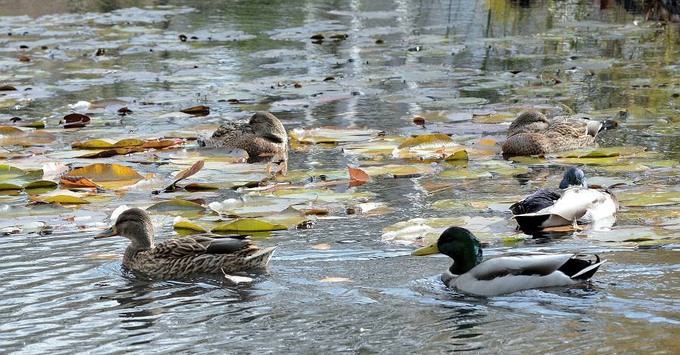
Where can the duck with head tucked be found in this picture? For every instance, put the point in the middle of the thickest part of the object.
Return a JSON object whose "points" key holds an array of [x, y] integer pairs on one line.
{"points": [[505, 273], [264, 138], [182, 256], [531, 133], [574, 203]]}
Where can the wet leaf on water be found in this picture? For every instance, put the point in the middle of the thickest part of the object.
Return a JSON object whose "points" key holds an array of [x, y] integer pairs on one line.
{"points": [[185, 174], [427, 146], [9, 172], [649, 198], [4, 186], [92, 144], [111, 153], [75, 120], [176, 205], [248, 225], [124, 111], [40, 184], [11, 131], [181, 223], [77, 182], [33, 124], [197, 110], [65, 200], [197, 186], [24, 58], [426, 141], [108, 175], [461, 155], [357, 177], [161, 143]]}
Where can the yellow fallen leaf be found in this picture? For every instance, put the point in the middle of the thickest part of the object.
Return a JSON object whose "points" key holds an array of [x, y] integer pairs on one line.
{"points": [[461, 155], [108, 175], [248, 225], [66, 200]]}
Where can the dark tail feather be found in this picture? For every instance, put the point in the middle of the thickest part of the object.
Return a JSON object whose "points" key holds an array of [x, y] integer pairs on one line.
{"points": [[581, 269], [608, 124]]}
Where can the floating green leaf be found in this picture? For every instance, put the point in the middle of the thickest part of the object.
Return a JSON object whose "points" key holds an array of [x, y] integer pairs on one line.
{"points": [[247, 225]]}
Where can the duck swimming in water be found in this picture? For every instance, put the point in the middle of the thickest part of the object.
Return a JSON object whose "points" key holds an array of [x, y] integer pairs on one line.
{"points": [[182, 256], [574, 203], [264, 138], [531, 133], [506, 273]]}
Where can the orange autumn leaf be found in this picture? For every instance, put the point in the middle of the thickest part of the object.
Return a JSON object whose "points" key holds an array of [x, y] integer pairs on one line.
{"points": [[357, 177], [185, 174], [76, 181], [161, 143]]}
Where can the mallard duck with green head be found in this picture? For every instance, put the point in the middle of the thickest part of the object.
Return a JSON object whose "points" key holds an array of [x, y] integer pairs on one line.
{"points": [[573, 204], [505, 273], [263, 137], [182, 256], [531, 133]]}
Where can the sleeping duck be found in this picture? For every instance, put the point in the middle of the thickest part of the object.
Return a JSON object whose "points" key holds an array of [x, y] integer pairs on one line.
{"points": [[264, 138], [506, 273], [575, 204], [531, 133], [183, 256]]}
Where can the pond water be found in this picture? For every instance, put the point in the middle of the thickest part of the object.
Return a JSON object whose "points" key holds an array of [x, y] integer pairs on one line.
{"points": [[345, 285]]}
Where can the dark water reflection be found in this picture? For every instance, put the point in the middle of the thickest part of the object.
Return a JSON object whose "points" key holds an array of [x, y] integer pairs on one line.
{"points": [[61, 294]]}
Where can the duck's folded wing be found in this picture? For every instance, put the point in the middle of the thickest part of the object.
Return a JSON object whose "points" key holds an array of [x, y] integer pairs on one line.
{"points": [[195, 245], [527, 265], [537, 201]]}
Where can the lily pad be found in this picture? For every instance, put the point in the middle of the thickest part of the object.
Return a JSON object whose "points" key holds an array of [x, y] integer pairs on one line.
{"points": [[108, 175], [248, 225]]}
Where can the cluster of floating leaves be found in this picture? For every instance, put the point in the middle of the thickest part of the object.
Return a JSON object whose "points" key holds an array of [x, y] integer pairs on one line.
{"points": [[107, 160]]}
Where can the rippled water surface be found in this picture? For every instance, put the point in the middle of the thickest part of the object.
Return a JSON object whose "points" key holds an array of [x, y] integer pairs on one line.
{"points": [[340, 286]]}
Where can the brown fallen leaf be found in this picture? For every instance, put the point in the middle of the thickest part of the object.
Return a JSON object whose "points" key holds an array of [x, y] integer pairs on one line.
{"points": [[197, 110], [75, 120], [185, 174], [111, 152], [161, 143], [24, 58]]}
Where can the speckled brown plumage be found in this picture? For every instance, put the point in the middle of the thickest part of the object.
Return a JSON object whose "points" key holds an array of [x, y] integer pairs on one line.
{"points": [[183, 256], [533, 134], [264, 138]]}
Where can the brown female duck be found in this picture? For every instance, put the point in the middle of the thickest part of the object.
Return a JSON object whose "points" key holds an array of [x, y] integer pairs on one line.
{"points": [[531, 133], [264, 138], [182, 256]]}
